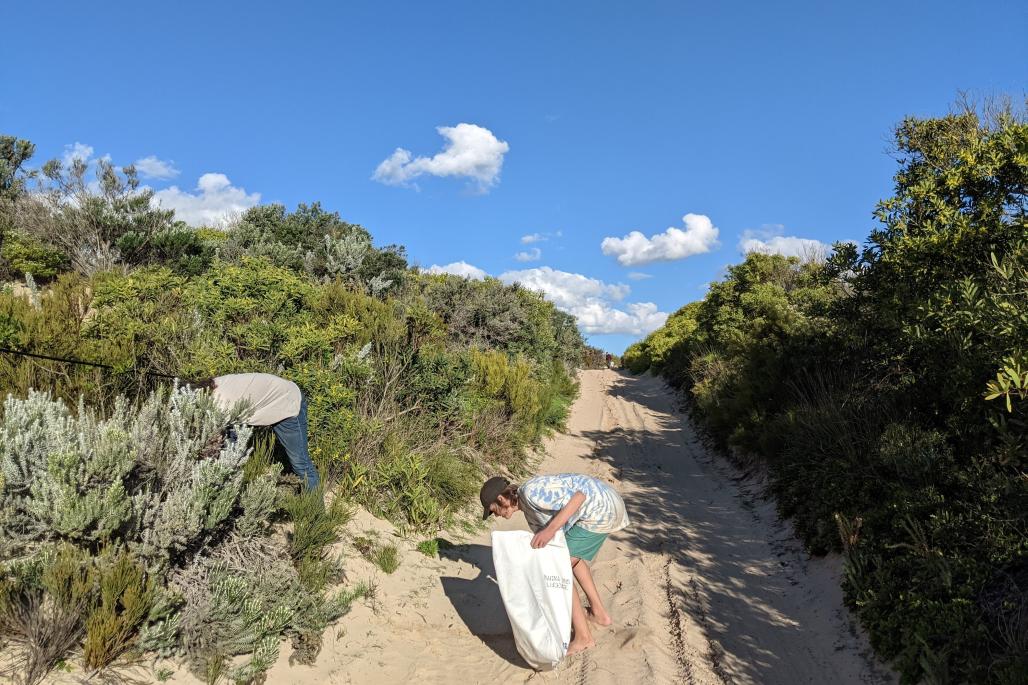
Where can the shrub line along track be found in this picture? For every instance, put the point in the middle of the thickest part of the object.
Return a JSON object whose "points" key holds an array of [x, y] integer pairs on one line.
{"points": [[707, 586]]}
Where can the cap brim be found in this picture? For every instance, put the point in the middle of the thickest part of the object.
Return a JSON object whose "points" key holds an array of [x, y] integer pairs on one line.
{"points": [[486, 514]]}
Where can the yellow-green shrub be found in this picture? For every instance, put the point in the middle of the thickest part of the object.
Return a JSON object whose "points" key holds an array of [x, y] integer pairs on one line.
{"points": [[125, 597]]}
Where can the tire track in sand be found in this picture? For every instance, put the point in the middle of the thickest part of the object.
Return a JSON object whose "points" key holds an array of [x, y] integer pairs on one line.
{"points": [[707, 586]]}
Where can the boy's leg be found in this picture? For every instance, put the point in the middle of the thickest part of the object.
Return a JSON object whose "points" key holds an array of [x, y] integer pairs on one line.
{"points": [[585, 578], [292, 433], [583, 637]]}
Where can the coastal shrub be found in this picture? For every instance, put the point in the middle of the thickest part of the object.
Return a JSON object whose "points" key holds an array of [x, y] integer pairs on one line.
{"points": [[26, 254], [314, 241], [241, 599], [886, 389], [370, 367], [138, 531], [100, 217]]}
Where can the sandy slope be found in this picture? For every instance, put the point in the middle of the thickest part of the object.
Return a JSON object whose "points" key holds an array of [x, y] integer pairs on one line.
{"points": [[705, 587]]}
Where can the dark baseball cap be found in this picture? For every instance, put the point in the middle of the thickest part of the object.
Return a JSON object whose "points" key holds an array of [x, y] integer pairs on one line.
{"points": [[490, 491]]}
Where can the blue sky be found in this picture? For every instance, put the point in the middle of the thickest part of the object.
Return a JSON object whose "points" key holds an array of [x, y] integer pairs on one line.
{"points": [[586, 121]]}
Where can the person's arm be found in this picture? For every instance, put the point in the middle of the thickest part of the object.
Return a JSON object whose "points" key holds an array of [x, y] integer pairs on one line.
{"points": [[543, 537]]}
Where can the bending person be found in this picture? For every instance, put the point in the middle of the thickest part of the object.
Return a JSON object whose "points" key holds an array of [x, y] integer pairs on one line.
{"points": [[274, 402], [586, 508]]}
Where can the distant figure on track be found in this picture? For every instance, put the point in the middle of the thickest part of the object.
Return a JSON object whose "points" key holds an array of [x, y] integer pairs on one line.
{"points": [[586, 508], [274, 402], [610, 361]]}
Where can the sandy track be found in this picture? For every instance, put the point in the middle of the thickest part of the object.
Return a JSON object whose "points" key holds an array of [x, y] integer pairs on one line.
{"points": [[706, 586]]}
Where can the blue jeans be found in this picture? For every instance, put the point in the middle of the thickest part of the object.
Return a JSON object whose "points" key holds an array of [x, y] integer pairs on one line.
{"points": [[292, 434]]}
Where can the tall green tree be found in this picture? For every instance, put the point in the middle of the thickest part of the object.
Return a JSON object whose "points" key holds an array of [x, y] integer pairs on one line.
{"points": [[98, 217]]}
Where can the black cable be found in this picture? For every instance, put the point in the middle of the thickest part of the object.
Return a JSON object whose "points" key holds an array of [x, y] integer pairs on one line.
{"points": [[4, 350]]}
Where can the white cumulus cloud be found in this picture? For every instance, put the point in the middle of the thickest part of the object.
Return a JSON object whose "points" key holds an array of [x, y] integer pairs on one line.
{"points": [[152, 167], [471, 151], [699, 236], [641, 318], [531, 255], [460, 268], [594, 303], [769, 240], [215, 201], [77, 151], [566, 289]]}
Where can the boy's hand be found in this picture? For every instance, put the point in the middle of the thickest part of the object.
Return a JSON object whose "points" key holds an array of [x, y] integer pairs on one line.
{"points": [[543, 537]]}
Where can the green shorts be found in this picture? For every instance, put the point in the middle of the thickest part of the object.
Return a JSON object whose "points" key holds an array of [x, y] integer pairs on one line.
{"points": [[583, 543]]}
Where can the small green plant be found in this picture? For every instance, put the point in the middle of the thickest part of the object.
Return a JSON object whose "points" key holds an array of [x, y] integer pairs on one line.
{"points": [[262, 456], [430, 548], [387, 558], [126, 597], [365, 545], [307, 644], [215, 666], [315, 529], [163, 674]]}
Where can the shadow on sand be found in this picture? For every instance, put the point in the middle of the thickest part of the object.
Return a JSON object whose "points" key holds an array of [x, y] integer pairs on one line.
{"points": [[478, 601], [683, 509]]}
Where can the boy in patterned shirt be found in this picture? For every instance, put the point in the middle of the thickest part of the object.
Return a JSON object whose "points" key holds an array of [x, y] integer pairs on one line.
{"points": [[587, 509]]}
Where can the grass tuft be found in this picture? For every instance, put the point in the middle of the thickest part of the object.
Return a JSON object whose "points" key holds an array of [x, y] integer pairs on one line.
{"points": [[386, 557], [315, 529]]}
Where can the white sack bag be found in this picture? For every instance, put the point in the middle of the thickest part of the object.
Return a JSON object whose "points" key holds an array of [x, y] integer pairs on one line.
{"points": [[536, 588]]}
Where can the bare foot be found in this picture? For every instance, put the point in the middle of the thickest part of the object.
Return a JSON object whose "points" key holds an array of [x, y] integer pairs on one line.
{"points": [[577, 646], [600, 619]]}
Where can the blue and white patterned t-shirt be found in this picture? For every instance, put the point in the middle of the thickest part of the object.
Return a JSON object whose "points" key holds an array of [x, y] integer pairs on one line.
{"points": [[543, 496]]}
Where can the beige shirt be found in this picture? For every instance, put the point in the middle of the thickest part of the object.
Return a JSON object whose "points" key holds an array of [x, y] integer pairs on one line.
{"points": [[271, 399]]}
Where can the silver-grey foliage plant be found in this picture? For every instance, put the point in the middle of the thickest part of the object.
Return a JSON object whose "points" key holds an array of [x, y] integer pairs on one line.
{"points": [[162, 480], [157, 479]]}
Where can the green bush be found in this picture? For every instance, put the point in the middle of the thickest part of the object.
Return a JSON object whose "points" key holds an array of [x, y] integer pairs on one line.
{"points": [[637, 357], [887, 390], [25, 254]]}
